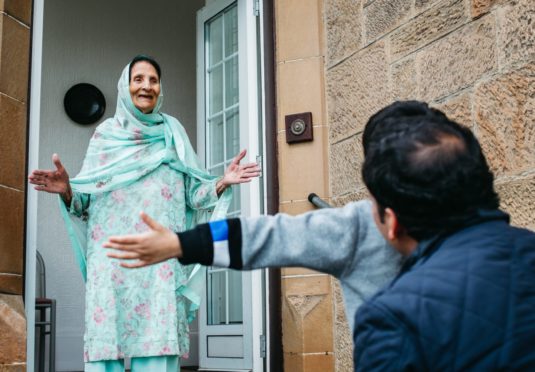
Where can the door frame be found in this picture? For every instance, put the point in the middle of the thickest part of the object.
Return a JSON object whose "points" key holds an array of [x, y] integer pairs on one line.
{"points": [[269, 119], [36, 58], [248, 61], [274, 357]]}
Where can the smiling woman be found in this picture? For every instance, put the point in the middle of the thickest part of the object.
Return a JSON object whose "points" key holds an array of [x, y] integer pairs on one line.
{"points": [[144, 88], [141, 159]]}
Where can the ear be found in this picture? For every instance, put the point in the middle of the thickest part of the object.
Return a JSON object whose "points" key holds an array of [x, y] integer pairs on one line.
{"points": [[393, 228]]}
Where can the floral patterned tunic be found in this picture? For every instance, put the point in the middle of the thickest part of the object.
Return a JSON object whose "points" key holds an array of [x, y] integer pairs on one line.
{"points": [[136, 312]]}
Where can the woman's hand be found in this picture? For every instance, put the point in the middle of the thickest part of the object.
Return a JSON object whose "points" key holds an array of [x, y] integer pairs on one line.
{"points": [[156, 245], [53, 181], [237, 173]]}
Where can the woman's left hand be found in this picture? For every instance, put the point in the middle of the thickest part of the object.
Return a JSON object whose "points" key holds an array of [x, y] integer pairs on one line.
{"points": [[237, 173]]}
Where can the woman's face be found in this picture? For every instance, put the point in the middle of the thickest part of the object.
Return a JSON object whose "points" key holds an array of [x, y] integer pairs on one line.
{"points": [[144, 86]]}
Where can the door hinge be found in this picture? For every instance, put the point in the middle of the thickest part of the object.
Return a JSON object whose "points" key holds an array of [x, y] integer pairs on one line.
{"points": [[256, 7], [262, 346]]}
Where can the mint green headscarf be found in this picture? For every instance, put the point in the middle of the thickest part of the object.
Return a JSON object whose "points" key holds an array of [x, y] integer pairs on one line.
{"points": [[124, 149]]}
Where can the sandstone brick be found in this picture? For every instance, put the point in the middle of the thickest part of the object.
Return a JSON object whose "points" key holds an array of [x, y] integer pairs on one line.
{"points": [[304, 168], [12, 329], [404, 80], [11, 231], [307, 302], [517, 197], [480, 7], [427, 27], [504, 109], [12, 143], [19, 9], [516, 34], [345, 162], [420, 5], [458, 108], [457, 60], [342, 200], [18, 367], [301, 88], [343, 340], [356, 89], [298, 29], [11, 283], [382, 16], [15, 57], [293, 361], [343, 27], [318, 363]]}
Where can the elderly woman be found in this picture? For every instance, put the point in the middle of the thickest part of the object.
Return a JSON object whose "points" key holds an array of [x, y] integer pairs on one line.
{"points": [[141, 159]]}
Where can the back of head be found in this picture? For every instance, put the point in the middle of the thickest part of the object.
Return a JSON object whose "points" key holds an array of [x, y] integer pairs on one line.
{"points": [[428, 169]]}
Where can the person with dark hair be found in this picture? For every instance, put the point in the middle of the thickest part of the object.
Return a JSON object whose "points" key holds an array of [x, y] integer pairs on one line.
{"points": [[139, 159], [465, 297]]}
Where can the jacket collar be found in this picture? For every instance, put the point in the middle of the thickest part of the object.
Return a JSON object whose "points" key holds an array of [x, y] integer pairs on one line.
{"points": [[428, 246]]}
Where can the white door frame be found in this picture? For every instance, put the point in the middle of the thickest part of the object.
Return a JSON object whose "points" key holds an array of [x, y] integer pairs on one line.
{"points": [[33, 162], [249, 138]]}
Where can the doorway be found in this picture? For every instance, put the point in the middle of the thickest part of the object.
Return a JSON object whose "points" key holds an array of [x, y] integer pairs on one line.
{"points": [[76, 42]]}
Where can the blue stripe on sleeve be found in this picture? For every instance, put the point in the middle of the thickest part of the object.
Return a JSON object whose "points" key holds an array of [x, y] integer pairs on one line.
{"points": [[219, 230]]}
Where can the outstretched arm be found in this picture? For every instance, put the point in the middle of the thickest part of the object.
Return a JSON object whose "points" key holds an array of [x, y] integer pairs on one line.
{"points": [[55, 181], [325, 240]]}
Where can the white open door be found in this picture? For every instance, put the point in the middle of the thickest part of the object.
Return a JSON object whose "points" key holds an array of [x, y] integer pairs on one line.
{"points": [[231, 316]]}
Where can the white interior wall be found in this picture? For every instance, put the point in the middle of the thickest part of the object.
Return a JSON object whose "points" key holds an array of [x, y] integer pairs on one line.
{"points": [[91, 41]]}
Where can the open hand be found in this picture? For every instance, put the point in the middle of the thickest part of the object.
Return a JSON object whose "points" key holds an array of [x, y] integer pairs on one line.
{"points": [[237, 173], [55, 181], [156, 245]]}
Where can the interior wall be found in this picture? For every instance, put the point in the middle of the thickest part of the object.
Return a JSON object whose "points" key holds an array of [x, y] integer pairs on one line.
{"points": [[92, 41]]}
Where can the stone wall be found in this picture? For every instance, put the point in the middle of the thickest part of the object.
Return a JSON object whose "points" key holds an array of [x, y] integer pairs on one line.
{"points": [[15, 17], [308, 311], [474, 59]]}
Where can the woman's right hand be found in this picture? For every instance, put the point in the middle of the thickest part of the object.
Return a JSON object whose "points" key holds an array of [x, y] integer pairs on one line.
{"points": [[55, 181]]}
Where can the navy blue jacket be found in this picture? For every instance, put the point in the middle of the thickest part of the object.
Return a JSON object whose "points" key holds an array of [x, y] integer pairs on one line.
{"points": [[462, 302]]}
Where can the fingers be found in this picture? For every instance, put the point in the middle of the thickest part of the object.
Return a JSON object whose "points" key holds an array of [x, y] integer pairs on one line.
{"points": [[41, 173], [57, 162], [35, 181], [254, 166], [150, 222], [239, 157], [123, 255], [117, 242], [134, 265], [250, 175]]}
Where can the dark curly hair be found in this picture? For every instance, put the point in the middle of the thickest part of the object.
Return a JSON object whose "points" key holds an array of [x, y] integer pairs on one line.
{"points": [[144, 58], [428, 169]]}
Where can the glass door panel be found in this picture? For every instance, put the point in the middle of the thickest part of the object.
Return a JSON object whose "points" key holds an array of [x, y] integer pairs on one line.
{"points": [[224, 288]]}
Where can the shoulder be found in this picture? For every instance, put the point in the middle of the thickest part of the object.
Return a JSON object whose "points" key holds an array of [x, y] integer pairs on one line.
{"points": [[104, 128]]}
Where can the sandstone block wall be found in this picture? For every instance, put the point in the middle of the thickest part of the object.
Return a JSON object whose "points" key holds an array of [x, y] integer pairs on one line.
{"points": [[308, 309], [15, 17], [474, 59]]}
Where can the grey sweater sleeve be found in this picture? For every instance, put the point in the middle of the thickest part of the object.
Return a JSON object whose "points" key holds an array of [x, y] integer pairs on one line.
{"points": [[325, 240]]}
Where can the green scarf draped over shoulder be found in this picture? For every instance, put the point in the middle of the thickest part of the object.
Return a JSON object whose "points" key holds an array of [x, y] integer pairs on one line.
{"points": [[125, 148]]}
